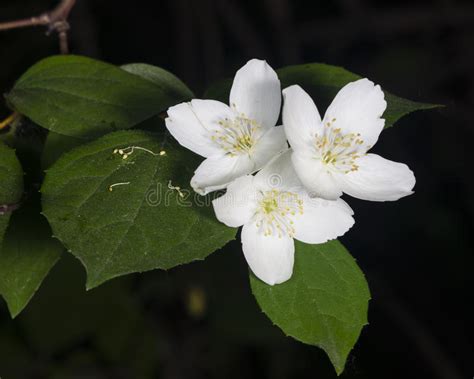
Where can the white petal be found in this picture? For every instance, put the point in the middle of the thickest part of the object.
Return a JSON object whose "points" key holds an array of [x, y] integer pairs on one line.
{"points": [[191, 124], [239, 204], [301, 118], [322, 220], [378, 179], [358, 108], [217, 172], [210, 112], [270, 144], [270, 258], [279, 174], [316, 178], [256, 92]]}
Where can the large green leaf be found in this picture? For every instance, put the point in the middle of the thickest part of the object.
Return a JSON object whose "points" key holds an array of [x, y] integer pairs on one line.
{"points": [[322, 82], [135, 227], [81, 97], [57, 144], [27, 254], [324, 303], [11, 184]]}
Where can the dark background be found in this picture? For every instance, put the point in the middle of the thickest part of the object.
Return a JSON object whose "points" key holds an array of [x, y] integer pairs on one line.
{"points": [[200, 320]]}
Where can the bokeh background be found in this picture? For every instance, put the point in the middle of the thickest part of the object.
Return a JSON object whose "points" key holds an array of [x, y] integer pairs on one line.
{"points": [[200, 320]]}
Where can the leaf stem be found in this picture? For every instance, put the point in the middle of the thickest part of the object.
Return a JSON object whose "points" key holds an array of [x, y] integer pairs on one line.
{"points": [[5, 123]]}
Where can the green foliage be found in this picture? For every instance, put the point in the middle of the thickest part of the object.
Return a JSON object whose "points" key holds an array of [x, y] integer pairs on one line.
{"points": [[322, 82], [160, 77], [56, 145], [81, 97], [11, 183], [63, 315], [324, 303], [135, 227], [27, 254]]}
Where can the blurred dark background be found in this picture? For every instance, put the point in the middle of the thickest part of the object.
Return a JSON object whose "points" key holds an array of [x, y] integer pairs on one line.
{"points": [[200, 320]]}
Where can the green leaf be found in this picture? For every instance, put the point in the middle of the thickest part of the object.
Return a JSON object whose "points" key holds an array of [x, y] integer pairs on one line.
{"points": [[324, 303], [56, 145], [27, 254], [157, 75], [322, 82], [81, 97], [138, 226], [11, 184], [160, 77]]}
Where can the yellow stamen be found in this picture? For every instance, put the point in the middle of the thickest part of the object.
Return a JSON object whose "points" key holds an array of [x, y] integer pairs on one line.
{"points": [[111, 187]]}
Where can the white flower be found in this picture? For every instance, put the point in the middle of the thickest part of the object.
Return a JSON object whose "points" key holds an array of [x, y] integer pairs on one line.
{"points": [[237, 139], [274, 208], [330, 156]]}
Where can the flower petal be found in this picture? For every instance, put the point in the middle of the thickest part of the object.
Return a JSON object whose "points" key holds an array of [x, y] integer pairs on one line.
{"points": [[270, 258], [256, 92], [322, 220], [191, 124], [301, 118], [279, 174], [378, 179], [316, 178], [358, 108], [217, 172], [239, 204], [269, 145], [210, 112]]}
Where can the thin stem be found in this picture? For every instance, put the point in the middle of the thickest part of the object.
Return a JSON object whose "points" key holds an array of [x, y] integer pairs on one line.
{"points": [[5, 123], [55, 20], [33, 21]]}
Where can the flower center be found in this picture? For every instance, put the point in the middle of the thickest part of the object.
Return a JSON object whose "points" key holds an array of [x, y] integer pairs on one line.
{"points": [[275, 213], [338, 150], [236, 136]]}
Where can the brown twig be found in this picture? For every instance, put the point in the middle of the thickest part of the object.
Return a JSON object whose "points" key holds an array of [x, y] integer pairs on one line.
{"points": [[55, 20]]}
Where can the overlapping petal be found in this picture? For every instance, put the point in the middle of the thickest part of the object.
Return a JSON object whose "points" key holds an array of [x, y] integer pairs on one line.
{"points": [[239, 203], [315, 176], [278, 174], [301, 118], [217, 172], [269, 145]]}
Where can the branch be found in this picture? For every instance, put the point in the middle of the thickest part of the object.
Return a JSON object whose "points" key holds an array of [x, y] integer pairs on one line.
{"points": [[55, 20]]}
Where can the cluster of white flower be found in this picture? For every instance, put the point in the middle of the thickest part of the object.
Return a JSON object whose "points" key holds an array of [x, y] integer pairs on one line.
{"points": [[296, 191]]}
